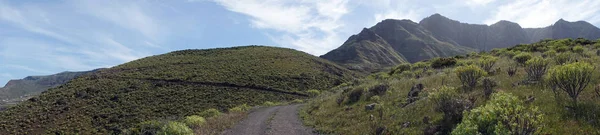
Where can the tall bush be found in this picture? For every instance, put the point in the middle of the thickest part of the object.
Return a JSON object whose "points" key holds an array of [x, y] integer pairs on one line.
{"points": [[194, 121], [571, 78], [400, 68], [487, 63], [505, 114], [522, 58], [578, 49], [536, 68], [563, 58], [443, 62], [468, 75], [448, 101]]}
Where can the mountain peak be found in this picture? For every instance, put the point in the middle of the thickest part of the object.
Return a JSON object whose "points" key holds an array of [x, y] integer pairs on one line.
{"points": [[367, 34]]}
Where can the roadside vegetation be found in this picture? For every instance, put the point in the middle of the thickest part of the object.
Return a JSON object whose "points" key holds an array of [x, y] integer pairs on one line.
{"points": [[548, 87]]}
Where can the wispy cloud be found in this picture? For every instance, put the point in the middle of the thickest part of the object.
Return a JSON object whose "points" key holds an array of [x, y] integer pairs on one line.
{"points": [[309, 26]]}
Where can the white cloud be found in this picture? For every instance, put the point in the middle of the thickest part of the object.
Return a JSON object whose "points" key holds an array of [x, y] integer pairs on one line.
{"points": [[398, 14], [26, 68], [541, 13], [474, 3], [310, 25]]}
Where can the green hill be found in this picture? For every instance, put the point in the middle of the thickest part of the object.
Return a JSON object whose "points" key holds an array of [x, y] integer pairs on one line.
{"points": [[517, 92], [171, 86]]}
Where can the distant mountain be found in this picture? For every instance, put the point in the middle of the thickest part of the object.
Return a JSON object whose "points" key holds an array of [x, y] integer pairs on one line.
{"points": [[171, 86], [437, 36], [16, 90], [564, 29], [366, 47]]}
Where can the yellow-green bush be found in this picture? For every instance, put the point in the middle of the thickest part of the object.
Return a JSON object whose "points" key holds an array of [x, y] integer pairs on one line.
{"points": [[240, 108], [194, 121], [269, 103], [212, 112], [536, 68], [313, 93], [400, 68], [578, 49], [571, 78], [487, 63], [522, 57], [550, 53], [175, 128], [563, 58], [505, 114], [468, 75], [419, 65]]}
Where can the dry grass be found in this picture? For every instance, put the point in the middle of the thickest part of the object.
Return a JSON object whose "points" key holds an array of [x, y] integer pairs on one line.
{"points": [[218, 124]]}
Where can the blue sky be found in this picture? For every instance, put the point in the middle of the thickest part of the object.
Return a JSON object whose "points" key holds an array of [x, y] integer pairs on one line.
{"points": [[46, 37]]}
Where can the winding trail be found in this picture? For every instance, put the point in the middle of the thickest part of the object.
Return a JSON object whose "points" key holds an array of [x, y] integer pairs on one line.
{"points": [[277, 120]]}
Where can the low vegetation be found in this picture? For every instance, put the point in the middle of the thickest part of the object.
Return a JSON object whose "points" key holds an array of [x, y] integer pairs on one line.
{"points": [[547, 94]]}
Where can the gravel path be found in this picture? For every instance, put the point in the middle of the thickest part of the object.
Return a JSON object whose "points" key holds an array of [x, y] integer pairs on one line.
{"points": [[277, 120]]}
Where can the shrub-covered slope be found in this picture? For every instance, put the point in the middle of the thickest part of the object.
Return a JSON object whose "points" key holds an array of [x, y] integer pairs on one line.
{"points": [[171, 86], [548, 87], [16, 90]]}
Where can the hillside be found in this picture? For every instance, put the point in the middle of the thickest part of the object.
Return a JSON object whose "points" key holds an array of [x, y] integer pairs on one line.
{"points": [[526, 89], [366, 51], [16, 90], [439, 36], [170, 86]]}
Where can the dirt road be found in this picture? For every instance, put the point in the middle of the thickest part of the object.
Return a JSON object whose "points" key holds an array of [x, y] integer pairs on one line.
{"points": [[277, 120]]}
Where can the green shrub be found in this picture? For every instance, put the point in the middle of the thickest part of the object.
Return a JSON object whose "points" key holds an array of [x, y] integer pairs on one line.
{"points": [[407, 74], [578, 49], [313, 93], [509, 54], [522, 58], [447, 100], [562, 48], [400, 68], [563, 58], [375, 98], [571, 78], [378, 89], [488, 86], [194, 121], [536, 68], [505, 114], [240, 108], [151, 127], [269, 103], [597, 45], [550, 53], [355, 95], [212, 112], [468, 75], [297, 101], [465, 62], [175, 128], [443, 62], [419, 65], [487, 63]]}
